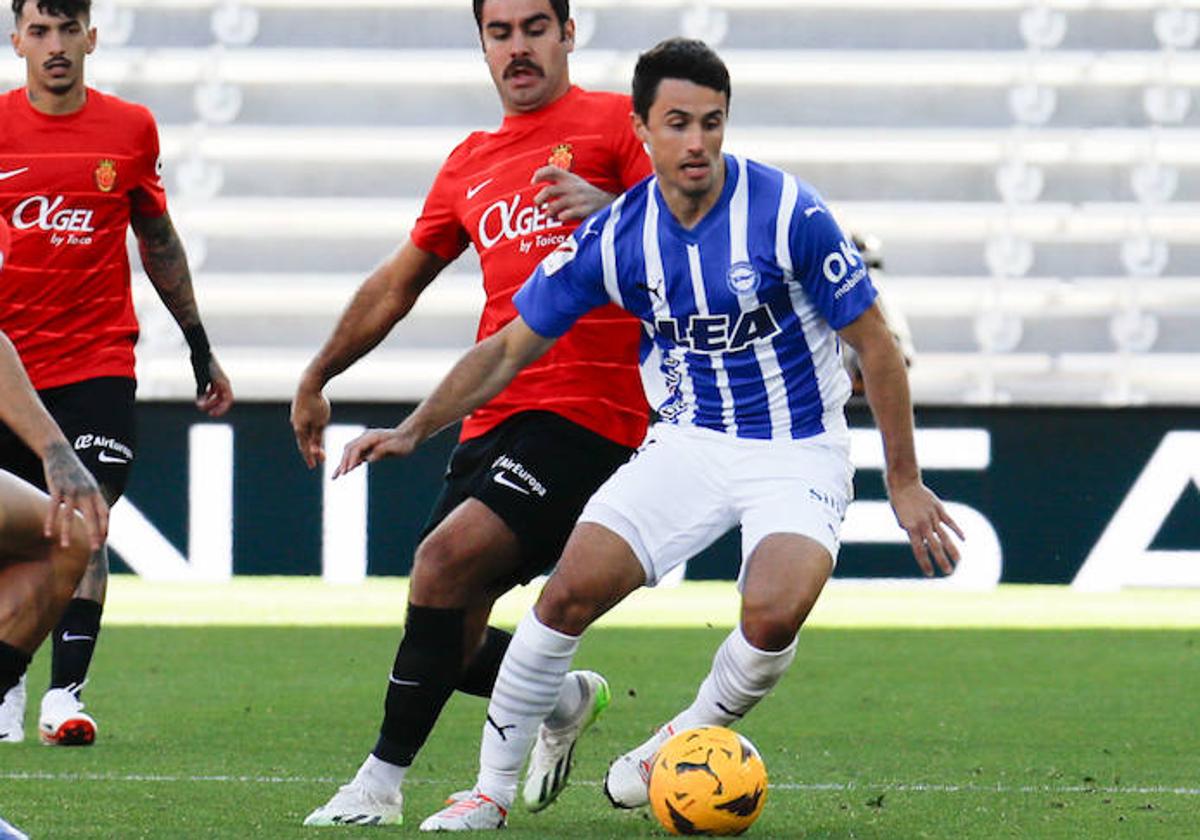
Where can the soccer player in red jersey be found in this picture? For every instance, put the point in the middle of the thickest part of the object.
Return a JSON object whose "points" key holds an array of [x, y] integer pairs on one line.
{"points": [[44, 547], [529, 459], [78, 168]]}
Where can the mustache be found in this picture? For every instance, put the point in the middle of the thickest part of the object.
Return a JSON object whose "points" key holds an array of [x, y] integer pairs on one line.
{"points": [[521, 64], [56, 62]]}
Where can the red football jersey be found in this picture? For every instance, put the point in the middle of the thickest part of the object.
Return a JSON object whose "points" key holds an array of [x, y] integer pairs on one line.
{"points": [[5, 242], [483, 195], [68, 185]]}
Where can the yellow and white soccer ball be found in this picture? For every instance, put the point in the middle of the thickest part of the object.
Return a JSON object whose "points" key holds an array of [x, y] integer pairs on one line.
{"points": [[708, 781]]}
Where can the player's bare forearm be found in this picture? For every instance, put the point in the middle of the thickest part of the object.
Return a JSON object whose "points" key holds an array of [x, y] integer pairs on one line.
{"points": [[885, 380], [69, 484], [918, 511], [384, 298], [20, 408], [478, 376], [166, 265]]}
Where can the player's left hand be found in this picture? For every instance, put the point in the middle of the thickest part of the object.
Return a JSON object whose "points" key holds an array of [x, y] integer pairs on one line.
{"points": [[923, 516], [375, 445], [216, 395], [566, 196], [71, 488]]}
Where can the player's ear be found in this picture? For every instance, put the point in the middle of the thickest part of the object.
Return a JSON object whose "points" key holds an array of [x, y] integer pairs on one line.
{"points": [[15, 38], [91, 40], [640, 128], [568, 34]]}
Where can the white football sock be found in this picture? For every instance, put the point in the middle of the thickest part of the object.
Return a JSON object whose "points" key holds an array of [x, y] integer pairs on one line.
{"points": [[741, 675], [527, 689], [380, 776]]}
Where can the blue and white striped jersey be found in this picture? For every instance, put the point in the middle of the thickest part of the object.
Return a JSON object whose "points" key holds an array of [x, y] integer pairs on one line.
{"points": [[739, 313]]}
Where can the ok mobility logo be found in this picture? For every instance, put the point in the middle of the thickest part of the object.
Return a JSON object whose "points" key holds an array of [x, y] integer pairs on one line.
{"points": [[1121, 556]]}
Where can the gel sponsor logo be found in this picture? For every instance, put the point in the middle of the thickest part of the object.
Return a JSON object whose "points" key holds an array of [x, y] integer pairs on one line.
{"points": [[714, 334], [48, 214], [509, 220]]}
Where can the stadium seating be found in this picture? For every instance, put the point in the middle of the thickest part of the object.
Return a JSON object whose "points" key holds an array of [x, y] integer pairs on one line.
{"points": [[1031, 168]]}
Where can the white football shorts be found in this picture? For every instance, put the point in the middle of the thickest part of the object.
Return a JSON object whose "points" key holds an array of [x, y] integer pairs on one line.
{"points": [[687, 486]]}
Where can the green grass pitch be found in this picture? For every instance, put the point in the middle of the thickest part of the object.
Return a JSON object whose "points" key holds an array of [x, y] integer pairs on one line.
{"points": [[877, 732]]}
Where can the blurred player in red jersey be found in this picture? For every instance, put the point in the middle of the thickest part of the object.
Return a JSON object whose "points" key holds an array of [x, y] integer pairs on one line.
{"points": [[78, 168], [529, 459], [44, 547]]}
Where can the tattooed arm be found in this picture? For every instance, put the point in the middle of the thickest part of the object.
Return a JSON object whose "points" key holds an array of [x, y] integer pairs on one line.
{"points": [[167, 267], [70, 485]]}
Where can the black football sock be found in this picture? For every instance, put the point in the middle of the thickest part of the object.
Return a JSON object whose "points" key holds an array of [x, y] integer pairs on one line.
{"points": [[427, 667], [13, 662], [480, 675], [74, 643]]}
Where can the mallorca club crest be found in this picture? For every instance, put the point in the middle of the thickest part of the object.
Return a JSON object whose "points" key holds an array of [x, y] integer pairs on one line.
{"points": [[561, 156], [106, 175]]}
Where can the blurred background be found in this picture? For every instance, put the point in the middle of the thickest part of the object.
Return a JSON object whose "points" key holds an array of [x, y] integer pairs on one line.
{"points": [[1029, 171]]}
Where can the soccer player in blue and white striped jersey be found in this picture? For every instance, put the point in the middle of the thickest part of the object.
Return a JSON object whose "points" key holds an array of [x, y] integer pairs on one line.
{"points": [[745, 286]]}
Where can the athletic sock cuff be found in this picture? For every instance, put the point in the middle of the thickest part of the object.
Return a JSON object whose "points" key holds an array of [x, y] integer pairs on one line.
{"points": [[13, 664], [83, 611], [738, 637], [547, 640], [434, 625]]}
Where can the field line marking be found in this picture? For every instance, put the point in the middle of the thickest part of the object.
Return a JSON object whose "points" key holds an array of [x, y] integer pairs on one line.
{"points": [[848, 787]]}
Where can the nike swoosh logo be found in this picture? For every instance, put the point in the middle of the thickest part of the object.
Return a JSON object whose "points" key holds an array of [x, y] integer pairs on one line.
{"points": [[105, 458], [505, 481], [67, 637], [472, 191], [4, 176], [395, 681]]}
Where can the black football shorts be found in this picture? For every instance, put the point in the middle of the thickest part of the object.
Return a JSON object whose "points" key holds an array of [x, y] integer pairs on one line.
{"points": [[535, 471], [97, 417]]}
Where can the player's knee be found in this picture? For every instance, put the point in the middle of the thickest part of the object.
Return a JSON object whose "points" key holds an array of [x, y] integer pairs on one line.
{"points": [[566, 609], [771, 628], [441, 573], [72, 561]]}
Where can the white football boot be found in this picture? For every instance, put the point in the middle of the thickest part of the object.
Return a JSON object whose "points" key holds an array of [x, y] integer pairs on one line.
{"points": [[627, 782], [12, 714], [474, 813], [63, 721], [554, 752], [355, 804]]}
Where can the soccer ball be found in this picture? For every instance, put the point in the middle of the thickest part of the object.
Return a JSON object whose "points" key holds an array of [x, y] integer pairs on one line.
{"points": [[708, 780]]}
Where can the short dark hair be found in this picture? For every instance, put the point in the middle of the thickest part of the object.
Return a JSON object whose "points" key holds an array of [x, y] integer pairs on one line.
{"points": [[562, 11], [60, 8], [677, 58]]}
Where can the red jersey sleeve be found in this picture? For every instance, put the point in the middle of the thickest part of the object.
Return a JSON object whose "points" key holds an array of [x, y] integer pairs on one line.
{"points": [[439, 230], [148, 197]]}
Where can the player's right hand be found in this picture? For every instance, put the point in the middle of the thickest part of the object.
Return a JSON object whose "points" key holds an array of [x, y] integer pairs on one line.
{"points": [[310, 416], [375, 445], [72, 488]]}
